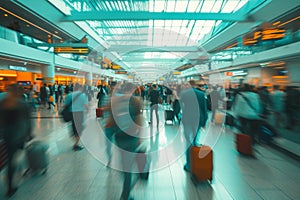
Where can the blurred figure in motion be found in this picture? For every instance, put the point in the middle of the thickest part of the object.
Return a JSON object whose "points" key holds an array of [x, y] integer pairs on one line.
{"points": [[100, 95], [127, 113], [248, 108], [278, 97], [153, 97], [79, 104], [110, 127], [292, 106], [15, 126], [194, 115], [213, 100]]}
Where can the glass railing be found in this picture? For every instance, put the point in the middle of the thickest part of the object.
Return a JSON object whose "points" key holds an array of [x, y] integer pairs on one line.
{"points": [[23, 39]]}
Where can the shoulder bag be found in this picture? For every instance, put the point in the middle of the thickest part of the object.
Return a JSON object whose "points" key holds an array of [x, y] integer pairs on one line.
{"points": [[66, 113]]}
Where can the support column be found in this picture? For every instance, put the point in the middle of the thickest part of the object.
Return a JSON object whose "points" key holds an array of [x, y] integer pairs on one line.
{"points": [[48, 74], [293, 72], [89, 78]]}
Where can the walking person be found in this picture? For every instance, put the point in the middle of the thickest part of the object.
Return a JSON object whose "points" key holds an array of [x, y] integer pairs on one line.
{"points": [[248, 108], [214, 98], [79, 101], [100, 96], [127, 112], [16, 128], [194, 116], [154, 98]]}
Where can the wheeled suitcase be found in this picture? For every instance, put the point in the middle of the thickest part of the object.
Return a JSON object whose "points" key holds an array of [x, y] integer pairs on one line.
{"points": [[99, 112], [244, 144], [37, 157], [169, 116], [201, 159]]}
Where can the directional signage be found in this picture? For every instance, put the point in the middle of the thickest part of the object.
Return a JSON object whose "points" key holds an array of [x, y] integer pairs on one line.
{"points": [[73, 50]]}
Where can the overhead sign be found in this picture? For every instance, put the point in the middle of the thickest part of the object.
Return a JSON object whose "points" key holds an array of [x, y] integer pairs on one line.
{"points": [[264, 33], [17, 68], [120, 72], [176, 73], [116, 67], [72, 50]]}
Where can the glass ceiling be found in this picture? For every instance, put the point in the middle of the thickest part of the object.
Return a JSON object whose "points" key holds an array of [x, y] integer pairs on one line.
{"points": [[171, 23]]}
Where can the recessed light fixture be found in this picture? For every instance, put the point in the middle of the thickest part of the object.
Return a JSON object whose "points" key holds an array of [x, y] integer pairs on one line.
{"points": [[5, 15], [56, 32], [75, 72], [27, 25]]}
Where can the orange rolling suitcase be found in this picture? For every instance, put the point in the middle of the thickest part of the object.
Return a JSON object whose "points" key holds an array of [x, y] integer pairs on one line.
{"points": [[99, 112], [201, 162], [244, 144]]}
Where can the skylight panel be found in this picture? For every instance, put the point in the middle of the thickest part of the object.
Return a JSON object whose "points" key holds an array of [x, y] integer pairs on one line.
{"points": [[241, 4], [209, 23], [170, 6], [193, 6], [127, 7], [175, 29], [108, 5], [200, 23], [159, 23], [168, 23], [230, 6], [159, 6], [151, 6], [207, 5], [181, 6], [216, 8], [184, 22], [206, 29]]}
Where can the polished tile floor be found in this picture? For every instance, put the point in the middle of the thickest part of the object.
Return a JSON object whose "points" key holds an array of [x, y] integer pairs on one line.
{"points": [[83, 174]]}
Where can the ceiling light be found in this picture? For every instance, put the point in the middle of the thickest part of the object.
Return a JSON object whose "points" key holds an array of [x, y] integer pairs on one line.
{"points": [[27, 25], [56, 32], [5, 15]]}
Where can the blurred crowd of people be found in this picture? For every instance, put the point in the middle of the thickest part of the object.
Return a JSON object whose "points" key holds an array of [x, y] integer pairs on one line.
{"points": [[123, 105]]}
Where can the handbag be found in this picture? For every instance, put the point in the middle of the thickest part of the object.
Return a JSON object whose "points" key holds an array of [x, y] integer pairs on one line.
{"points": [[66, 113]]}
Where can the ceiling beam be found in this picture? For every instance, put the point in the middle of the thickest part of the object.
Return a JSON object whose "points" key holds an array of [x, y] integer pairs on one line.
{"points": [[145, 15], [137, 48]]}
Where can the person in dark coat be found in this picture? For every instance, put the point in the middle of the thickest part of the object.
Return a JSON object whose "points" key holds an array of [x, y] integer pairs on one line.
{"points": [[15, 126]]}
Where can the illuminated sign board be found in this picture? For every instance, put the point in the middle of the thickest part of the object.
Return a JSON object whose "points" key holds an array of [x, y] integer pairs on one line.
{"points": [[17, 68], [264, 35], [72, 50], [120, 72], [176, 73], [116, 67]]}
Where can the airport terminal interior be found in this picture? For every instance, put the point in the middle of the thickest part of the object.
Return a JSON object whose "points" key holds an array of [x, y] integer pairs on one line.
{"points": [[151, 53]]}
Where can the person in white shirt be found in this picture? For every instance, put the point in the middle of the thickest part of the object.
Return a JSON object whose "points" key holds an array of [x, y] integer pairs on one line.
{"points": [[79, 105]]}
